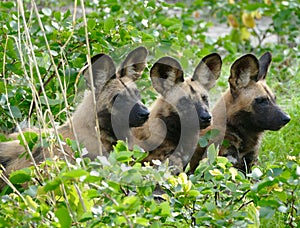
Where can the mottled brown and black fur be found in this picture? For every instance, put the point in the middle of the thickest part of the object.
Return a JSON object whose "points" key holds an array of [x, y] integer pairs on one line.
{"points": [[177, 116], [118, 108], [244, 112]]}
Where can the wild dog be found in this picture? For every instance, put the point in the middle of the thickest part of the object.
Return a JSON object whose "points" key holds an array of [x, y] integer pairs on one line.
{"points": [[244, 112], [118, 108], [182, 109]]}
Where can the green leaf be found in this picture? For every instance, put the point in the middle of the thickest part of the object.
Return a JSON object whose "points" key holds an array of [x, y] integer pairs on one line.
{"points": [[193, 193], [57, 15], [47, 11], [203, 142], [53, 184], [3, 138], [86, 216], [16, 112], [120, 146], [130, 200], [212, 153], [75, 173], [31, 139], [63, 216], [20, 176], [165, 209], [52, 102], [124, 156], [7, 5], [109, 23], [91, 23], [142, 221], [266, 212]]}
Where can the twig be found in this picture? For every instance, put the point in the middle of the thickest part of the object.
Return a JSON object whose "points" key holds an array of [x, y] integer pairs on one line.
{"points": [[97, 128], [245, 204]]}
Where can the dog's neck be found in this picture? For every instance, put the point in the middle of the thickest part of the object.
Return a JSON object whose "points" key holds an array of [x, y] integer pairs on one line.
{"points": [[84, 121], [167, 113], [243, 143], [174, 121]]}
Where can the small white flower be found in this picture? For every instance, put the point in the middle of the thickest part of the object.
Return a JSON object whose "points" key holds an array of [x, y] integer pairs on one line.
{"points": [[145, 23], [298, 170], [94, 173], [84, 151], [188, 38], [156, 162], [256, 173]]}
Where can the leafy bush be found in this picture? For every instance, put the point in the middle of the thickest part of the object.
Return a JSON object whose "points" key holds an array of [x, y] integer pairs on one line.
{"points": [[119, 191], [43, 49]]}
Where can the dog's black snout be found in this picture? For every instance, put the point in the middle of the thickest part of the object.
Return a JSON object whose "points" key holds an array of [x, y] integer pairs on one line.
{"points": [[206, 117], [286, 119], [139, 114], [143, 113]]}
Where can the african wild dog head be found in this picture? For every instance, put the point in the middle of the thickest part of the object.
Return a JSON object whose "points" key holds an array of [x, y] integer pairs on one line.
{"points": [[253, 102], [118, 100], [190, 93]]}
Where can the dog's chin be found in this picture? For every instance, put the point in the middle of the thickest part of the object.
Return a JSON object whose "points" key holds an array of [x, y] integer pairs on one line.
{"points": [[276, 128], [204, 125]]}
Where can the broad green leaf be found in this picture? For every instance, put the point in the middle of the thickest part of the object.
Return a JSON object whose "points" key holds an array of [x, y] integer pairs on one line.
{"points": [[142, 221], [212, 153], [266, 212], [203, 142], [124, 156], [52, 102], [20, 176], [53, 184], [109, 23], [165, 209], [63, 216], [75, 173], [57, 15], [16, 112], [91, 23], [194, 193]]}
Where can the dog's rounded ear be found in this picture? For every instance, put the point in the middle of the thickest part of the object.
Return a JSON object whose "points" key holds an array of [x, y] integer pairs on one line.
{"points": [[134, 64], [165, 74], [208, 70], [103, 69], [242, 71], [264, 63]]}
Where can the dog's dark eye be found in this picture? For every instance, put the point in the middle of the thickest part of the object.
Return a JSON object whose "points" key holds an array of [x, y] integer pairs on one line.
{"points": [[262, 100], [115, 97], [205, 99]]}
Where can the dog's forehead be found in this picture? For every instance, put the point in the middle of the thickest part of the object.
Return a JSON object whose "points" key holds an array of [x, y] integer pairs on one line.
{"points": [[195, 87], [264, 89], [256, 89]]}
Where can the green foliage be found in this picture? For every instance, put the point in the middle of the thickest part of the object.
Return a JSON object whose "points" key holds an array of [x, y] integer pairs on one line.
{"points": [[41, 56], [116, 191]]}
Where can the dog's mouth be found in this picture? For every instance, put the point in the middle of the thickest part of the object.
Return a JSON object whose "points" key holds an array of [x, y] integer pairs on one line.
{"points": [[283, 121], [204, 124]]}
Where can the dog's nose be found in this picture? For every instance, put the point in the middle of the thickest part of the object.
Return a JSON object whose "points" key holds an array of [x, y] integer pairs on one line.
{"points": [[205, 118], [143, 114], [286, 119]]}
